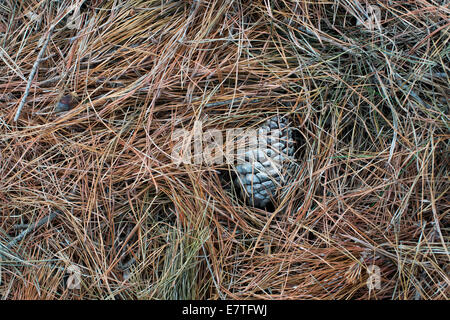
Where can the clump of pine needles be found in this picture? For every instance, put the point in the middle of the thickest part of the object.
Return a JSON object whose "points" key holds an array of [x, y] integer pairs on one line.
{"points": [[95, 189]]}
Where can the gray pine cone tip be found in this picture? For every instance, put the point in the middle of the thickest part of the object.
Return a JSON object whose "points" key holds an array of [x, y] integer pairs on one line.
{"points": [[265, 167]]}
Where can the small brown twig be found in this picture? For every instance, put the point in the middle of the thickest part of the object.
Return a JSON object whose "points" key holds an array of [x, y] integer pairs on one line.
{"points": [[31, 228], [33, 72]]}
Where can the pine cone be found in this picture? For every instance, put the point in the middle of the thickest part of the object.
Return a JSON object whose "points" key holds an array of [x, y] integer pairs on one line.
{"points": [[266, 166]]}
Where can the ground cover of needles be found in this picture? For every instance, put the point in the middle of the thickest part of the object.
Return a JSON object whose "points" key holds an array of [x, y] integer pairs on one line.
{"points": [[90, 191]]}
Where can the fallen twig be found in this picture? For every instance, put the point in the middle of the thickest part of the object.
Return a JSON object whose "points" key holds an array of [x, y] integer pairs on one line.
{"points": [[33, 72], [31, 228]]}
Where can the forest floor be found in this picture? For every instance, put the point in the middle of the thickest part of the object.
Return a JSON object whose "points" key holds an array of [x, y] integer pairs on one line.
{"points": [[93, 205]]}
